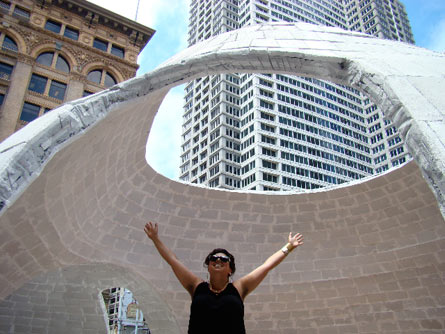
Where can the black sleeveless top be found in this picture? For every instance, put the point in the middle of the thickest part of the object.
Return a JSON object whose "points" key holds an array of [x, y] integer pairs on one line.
{"points": [[221, 313]]}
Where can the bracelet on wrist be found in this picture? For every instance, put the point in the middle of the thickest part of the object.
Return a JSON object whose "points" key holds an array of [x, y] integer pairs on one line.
{"points": [[287, 248]]}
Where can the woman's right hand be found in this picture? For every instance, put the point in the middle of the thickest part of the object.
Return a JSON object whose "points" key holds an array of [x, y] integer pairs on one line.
{"points": [[188, 280], [151, 230]]}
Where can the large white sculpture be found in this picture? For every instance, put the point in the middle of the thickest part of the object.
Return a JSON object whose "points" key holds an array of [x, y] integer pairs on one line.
{"points": [[76, 190]]}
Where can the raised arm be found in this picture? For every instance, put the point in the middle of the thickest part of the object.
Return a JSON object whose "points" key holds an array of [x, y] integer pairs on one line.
{"points": [[248, 283], [188, 280]]}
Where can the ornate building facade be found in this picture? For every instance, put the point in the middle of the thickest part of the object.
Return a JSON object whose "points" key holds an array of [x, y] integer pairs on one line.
{"points": [[52, 52]]}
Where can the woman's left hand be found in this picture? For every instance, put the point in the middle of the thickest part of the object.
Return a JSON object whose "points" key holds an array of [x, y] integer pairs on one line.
{"points": [[296, 240]]}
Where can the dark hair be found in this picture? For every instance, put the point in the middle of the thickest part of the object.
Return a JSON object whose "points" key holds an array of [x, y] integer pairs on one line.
{"points": [[221, 250]]}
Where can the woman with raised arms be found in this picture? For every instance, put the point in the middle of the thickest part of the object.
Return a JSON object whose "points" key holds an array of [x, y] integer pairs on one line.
{"points": [[217, 304]]}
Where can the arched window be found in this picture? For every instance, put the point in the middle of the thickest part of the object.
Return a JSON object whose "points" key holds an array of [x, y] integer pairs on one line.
{"points": [[101, 77], [62, 64], [95, 76], [45, 58], [9, 44], [54, 60], [109, 80]]}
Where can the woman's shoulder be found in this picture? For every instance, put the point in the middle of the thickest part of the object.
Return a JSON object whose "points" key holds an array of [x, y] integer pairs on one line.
{"points": [[202, 286], [237, 285]]}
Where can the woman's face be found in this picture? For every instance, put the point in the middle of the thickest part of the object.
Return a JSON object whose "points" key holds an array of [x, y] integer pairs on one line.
{"points": [[219, 263]]}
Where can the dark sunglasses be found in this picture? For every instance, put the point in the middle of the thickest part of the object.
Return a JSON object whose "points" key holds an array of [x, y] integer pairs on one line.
{"points": [[222, 258]]}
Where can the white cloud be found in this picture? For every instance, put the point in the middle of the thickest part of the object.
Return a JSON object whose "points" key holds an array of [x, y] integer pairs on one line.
{"points": [[170, 37], [437, 37], [147, 13], [163, 145]]}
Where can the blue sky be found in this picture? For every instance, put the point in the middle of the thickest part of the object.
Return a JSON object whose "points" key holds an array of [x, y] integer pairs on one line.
{"points": [[170, 19]]}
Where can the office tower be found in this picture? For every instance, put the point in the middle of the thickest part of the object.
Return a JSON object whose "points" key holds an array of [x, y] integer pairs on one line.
{"points": [[280, 132], [57, 51], [381, 18]]}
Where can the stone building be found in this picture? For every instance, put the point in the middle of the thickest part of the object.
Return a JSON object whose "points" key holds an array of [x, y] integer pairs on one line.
{"points": [[57, 51]]}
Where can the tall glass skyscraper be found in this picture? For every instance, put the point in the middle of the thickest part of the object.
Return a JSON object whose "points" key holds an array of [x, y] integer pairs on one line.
{"points": [[281, 132]]}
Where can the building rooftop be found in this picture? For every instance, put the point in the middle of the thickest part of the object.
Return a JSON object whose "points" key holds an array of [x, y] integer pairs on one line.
{"points": [[137, 32]]}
